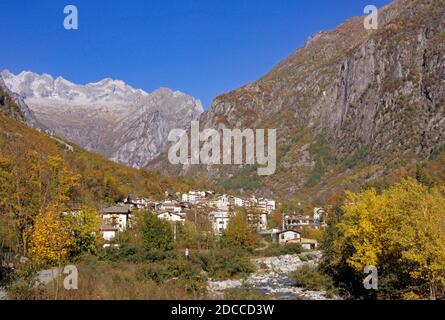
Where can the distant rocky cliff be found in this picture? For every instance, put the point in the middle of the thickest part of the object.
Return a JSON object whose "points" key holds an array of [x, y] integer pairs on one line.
{"points": [[14, 106], [109, 117]]}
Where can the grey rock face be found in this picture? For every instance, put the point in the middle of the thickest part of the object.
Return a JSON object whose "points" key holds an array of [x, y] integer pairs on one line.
{"points": [[109, 117], [381, 91], [24, 113]]}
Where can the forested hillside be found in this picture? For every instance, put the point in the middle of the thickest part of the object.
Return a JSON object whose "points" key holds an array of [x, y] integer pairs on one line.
{"points": [[38, 171]]}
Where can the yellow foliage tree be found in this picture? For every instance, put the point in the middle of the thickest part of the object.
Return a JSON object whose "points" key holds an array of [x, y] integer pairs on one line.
{"points": [[239, 232], [404, 225], [62, 180], [51, 238], [84, 226]]}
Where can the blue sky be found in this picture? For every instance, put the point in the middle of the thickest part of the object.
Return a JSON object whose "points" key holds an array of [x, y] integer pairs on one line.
{"points": [[201, 47]]}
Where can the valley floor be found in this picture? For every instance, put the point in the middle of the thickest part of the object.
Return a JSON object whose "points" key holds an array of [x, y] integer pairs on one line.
{"points": [[273, 279]]}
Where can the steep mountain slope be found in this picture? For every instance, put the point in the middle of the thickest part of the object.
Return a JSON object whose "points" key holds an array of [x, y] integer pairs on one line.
{"points": [[24, 150], [109, 117], [14, 106], [348, 106]]}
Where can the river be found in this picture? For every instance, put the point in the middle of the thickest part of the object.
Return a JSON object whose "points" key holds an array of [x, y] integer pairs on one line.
{"points": [[273, 279]]}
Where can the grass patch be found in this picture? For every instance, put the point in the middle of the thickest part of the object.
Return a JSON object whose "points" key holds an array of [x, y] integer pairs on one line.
{"points": [[105, 280], [321, 152], [351, 161], [246, 178]]}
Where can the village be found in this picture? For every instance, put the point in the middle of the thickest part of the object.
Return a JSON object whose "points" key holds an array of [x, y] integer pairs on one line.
{"points": [[217, 209]]}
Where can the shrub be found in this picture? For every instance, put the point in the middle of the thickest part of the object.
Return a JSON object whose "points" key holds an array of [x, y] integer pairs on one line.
{"points": [[225, 263], [154, 271], [124, 252], [355, 158], [155, 255], [277, 250], [6, 275], [22, 290], [311, 278], [188, 272], [104, 280], [321, 152], [304, 258]]}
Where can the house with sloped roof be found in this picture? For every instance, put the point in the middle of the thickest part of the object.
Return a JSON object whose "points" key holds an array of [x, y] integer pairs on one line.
{"points": [[288, 236], [117, 216]]}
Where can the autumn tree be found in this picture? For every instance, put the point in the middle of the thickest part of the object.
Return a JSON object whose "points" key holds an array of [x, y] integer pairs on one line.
{"points": [[61, 181], [276, 220], [20, 191], [9, 239], [401, 231], [157, 233], [31, 183], [51, 238], [199, 215], [188, 235], [239, 232], [84, 226]]}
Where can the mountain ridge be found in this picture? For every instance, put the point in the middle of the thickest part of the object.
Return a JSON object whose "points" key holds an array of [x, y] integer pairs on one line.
{"points": [[348, 105], [102, 181], [106, 116]]}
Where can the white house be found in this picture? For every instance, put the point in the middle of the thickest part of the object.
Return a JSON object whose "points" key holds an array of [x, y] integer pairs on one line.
{"points": [[267, 205], [308, 244], [118, 217], [258, 220], [170, 206], [262, 224], [236, 201], [171, 217], [109, 233], [251, 202], [220, 221], [223, 203], [135, 201], [288, 236], [193, 196], [301, 222], [319, 214]]}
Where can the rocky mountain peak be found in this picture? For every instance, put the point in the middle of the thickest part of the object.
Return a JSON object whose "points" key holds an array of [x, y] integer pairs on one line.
{"points": [[109, 117], [347, 105]]}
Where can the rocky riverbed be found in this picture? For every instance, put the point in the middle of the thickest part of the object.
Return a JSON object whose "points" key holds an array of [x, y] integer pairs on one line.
{"points": [[273, 278]]}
